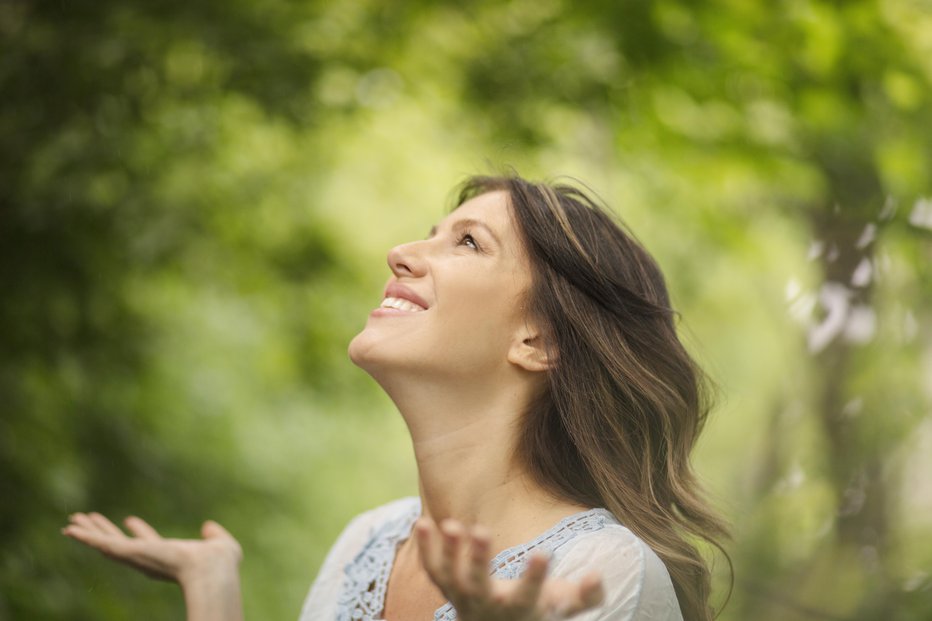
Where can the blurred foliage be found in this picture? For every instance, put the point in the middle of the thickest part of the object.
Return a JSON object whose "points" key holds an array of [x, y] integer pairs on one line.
{"points": [[195, 203]]}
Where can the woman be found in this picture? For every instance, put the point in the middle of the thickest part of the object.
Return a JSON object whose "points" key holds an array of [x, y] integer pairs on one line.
{"points": [[529, 344]]}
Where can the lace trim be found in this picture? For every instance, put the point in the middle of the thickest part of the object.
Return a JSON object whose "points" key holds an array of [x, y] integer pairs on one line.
{"points": [[366, 576], [362, 597]]}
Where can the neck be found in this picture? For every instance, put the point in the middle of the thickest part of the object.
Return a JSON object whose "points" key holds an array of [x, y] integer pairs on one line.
{"points": [[464, 442]]}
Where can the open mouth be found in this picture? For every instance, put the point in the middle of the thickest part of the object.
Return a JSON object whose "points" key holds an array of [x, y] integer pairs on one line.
{"points": [[401, 304]]}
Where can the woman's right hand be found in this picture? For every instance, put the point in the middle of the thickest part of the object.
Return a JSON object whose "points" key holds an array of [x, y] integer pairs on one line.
{"points": [[177, 560], [207, 569]]}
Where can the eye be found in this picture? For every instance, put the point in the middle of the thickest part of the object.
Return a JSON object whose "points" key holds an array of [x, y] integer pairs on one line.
{"points": [[466, 239]]}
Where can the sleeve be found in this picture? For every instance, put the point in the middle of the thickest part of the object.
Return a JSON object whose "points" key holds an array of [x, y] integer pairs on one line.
{"points": [[321, 601], [636, 583]]}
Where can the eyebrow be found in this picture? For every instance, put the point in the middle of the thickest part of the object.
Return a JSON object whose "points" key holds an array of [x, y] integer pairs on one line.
{"points": [[466, 223]]}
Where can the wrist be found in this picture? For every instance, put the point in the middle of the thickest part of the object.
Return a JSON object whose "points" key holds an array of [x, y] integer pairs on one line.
{"points": [[208, 578], [212, 595]]}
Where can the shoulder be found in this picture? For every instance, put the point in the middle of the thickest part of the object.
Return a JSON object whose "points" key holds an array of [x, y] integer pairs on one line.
{"points": [[636, 583], [366, 524]]}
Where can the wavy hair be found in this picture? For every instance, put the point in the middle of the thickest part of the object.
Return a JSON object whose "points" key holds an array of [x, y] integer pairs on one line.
{"points": [[624, 401]]}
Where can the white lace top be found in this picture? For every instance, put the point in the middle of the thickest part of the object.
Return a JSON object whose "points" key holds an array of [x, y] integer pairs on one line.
{"points": [[352, 581]]}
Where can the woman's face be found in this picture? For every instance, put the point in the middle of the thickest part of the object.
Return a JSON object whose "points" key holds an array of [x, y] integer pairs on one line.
{"points": [[453, 305]]}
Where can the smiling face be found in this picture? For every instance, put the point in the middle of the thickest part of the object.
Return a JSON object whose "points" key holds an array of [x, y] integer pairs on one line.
{"points": [[454, 304]]}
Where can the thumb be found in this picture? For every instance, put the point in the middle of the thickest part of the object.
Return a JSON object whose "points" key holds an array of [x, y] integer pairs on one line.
{"points": [[213, 530]]}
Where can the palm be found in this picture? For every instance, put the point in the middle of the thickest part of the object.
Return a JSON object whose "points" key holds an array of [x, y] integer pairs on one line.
{"points": [[458, 564], [509, 600]]}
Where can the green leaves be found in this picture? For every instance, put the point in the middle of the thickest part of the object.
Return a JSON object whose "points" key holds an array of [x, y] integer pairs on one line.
{"points": [[196, 200]]}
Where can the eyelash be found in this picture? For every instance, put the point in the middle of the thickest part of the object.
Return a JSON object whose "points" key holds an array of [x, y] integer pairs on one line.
{"points": [[467, 235]]}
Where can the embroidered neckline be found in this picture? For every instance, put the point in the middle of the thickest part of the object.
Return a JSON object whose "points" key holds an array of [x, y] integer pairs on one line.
{"points": [[365, 581]]}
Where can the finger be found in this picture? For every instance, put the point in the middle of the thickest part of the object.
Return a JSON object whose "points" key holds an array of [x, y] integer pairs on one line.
{"points": [[132, 552], [529, 585], [140, 528], [451, 559], [89, 522], [591, 591], [213, 530], [427, 549], [84, 521], [589, 594], [105, 525], [103, 542], [480, 555]]}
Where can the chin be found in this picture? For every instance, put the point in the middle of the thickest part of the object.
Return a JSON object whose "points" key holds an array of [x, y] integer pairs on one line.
{"points": [[382, 360], [358, 349], [363, 351]]}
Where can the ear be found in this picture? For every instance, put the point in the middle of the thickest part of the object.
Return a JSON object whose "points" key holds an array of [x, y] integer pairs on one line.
{"points": [[529, 350]]}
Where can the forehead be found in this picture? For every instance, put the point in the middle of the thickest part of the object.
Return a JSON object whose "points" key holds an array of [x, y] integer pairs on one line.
{"points": [[490, 208]]}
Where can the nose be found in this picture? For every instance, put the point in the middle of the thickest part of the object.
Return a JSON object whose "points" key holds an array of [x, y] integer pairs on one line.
{"points": [[407, 260]]}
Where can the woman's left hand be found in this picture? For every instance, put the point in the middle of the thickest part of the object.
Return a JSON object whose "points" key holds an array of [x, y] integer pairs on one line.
{"points": [[458, 563]]}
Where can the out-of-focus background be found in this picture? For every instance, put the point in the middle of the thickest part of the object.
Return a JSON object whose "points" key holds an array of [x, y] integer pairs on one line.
{"points": [[196, 199]]}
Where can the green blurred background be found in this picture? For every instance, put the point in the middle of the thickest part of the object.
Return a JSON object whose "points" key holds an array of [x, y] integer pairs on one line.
{"points": [[196, 199]]}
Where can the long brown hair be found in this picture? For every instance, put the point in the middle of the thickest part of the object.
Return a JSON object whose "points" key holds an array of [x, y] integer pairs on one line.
{"points": [[625, 401]]}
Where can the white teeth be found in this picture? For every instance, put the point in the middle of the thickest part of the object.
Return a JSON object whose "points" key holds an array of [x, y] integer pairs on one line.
{"points": [[400, 304]]}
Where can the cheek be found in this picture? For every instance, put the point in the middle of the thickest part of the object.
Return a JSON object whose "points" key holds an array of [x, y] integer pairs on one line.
{"points": [[484, 320]]}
